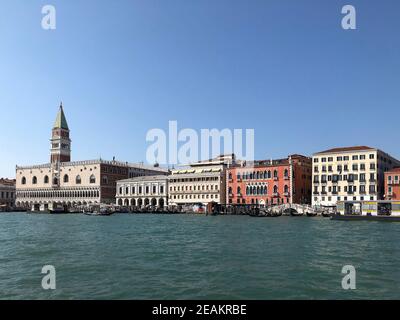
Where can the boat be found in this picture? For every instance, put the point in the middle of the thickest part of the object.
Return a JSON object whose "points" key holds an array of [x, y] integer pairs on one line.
{"points": [[374, 210], [57, 210], [356, 217]]}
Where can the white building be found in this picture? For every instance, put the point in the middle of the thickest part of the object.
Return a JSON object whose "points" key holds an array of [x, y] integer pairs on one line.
{"points": [[349, 174], [143, 191], [201, 182]]}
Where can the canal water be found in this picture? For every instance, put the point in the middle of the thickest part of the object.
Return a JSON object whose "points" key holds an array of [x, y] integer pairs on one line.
{"points": [[128, 256]]}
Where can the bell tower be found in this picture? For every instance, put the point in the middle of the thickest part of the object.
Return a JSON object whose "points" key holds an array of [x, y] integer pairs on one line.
{"points": [[60, 141]]}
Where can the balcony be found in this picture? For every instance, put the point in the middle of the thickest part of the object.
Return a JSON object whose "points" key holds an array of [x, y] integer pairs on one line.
{"points": [[286, 177], [316, 192], [334, 192], [316, 182], [393, 182], [275, 194], [239, 195], [286, 194], [324, 192], [276, 178]]}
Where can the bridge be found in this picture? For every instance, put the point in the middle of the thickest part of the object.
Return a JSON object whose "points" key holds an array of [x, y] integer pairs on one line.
{"points": [[295, 209]]}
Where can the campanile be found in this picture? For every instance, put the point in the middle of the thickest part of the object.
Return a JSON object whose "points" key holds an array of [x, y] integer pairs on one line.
{"points": [[60, 141]]}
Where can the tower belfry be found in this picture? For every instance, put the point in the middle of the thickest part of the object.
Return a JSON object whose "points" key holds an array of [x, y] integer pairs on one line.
{"points": [[60, 141]]}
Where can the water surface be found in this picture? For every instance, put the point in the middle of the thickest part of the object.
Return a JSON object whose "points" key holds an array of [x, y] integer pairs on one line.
{"points": [[128, 256]]}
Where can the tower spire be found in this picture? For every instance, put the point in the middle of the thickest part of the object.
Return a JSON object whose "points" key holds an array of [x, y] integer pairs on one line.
{"points": [[60, 141]]}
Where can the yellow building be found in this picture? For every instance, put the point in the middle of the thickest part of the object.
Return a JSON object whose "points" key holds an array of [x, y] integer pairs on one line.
{"points": [[349, 174]]}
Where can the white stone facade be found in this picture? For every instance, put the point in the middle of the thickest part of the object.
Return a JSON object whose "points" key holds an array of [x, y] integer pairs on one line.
{"points": [[143, 191]]}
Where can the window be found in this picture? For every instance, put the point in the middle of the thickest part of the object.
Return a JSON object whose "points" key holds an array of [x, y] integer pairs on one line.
{"points": [[339, 158], [66, 178], [323, 159], [355, 157], [23, 180], [92, 179], [330, 159], [372, 156], [238, 190], [315, 160], [362, 157], [46, 179], [78, 180], [34, 180]]}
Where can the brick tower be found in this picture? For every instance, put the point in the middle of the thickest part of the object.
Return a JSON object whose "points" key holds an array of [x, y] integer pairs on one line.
{"points": [[60, 141]]}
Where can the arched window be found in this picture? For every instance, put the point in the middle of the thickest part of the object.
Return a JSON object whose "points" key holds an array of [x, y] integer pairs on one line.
{"points": [[55, 181], [247, 190], [275, 189], [286, 174], [78, 179], [120, 190], [66, 178], [230, 176], [23, 180], [269, 174], [46, 179], [238, 190], [92, 179], [286, 189], [265, 190], [34, 180], [258, 190], [230, 190], [254, 190], [275, 174], [238, 176]]}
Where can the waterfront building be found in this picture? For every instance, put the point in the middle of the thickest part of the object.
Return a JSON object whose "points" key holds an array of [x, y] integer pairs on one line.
{"points": [[143, 191], [392, 184], [350, 174], [270, 182], [202, 182], [7, 194], [67, 183]]}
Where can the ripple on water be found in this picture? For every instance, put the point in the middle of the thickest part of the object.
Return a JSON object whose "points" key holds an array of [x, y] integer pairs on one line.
{"points": [[196, 257]]}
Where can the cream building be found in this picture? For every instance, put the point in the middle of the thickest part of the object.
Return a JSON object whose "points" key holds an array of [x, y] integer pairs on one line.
{"points": [[349, 174], [143, 191], [64, 183], [202, 182]]}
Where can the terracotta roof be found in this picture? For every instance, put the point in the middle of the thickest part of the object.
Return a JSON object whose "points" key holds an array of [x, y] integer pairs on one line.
{"points": [[397, 169], [346, 149]]}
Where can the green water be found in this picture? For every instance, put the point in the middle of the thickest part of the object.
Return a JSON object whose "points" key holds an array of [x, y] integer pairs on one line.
{"points": [[196, 257]]}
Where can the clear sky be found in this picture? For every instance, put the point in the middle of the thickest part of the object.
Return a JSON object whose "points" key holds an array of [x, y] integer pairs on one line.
{"points": [[285, 68]]}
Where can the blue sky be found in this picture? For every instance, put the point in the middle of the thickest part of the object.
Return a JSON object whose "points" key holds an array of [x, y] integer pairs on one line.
{"points": [[285, 68]]}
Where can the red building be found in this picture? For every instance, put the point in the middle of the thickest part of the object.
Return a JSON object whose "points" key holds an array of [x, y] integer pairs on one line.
{"points": [[270, 182], [392, 184]]}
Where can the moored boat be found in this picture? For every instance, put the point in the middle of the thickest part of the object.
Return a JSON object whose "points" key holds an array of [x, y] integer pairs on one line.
{"points": [[355, 217]]}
